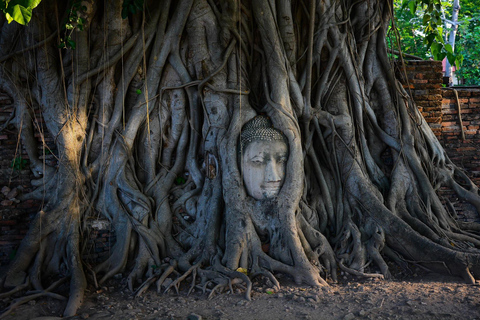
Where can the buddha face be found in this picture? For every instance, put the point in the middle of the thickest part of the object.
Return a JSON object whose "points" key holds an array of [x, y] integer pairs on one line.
{"points": [[263, 168]]}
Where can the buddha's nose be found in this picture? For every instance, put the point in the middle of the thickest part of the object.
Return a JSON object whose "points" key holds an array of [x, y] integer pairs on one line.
{"points": [[272, 172]]}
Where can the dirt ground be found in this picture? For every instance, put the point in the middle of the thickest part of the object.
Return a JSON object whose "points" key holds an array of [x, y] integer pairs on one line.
{"points": [[426, 296]]}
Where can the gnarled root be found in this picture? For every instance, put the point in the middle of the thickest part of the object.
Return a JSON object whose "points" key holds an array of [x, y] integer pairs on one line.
{"points": [[29, 296]]}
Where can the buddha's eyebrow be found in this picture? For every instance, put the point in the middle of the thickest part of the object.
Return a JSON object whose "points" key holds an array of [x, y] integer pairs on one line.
{"points": [[259, 156]]}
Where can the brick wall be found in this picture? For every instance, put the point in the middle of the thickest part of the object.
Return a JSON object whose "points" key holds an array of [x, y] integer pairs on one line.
{"points": [[14, 180], [463, 150], [425, 85], [440, 108]]}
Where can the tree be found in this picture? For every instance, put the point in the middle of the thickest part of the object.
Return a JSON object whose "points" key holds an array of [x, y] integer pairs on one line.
{"points": [[451, 35], [469, 44], [408, 24], [146, 113], [424, 29]]}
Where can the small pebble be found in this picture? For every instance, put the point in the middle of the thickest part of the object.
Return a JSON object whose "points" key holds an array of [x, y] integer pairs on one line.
{"points": [[349, 316], [194, 316]]}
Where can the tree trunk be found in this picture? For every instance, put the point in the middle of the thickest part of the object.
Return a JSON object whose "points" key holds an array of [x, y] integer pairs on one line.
{"points": [[147, 114], [451, 35]]}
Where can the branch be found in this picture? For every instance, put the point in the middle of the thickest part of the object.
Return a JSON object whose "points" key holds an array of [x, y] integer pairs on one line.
{"points": [[406, 55], [39, 44]]}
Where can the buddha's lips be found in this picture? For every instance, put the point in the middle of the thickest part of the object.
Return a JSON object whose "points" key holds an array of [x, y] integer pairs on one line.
{"points": [[274, 186]]}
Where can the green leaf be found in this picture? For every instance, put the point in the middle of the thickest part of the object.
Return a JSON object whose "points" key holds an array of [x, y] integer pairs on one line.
{"points": [[12, 254], [138, 91], [439, 38], [18, 163], [436, 49], [180, 180], [71, 44], [19, 10], [19, 14], [124, 13], [451, 58], [426, 18], [440, 30], [429, 39], [132, 8], [459, 61], [448, 48], [413, 6]]}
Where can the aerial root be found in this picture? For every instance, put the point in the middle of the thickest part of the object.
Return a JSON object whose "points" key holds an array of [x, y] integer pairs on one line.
{"points": [[16, 289], [25, 299], [358, 273], [32, 295], [176, 282], [268, 275], [210, 281], [164, 276], [92, 273], [223, 284], [468, 277], [144, 287], [218, 279], [157, 277]]}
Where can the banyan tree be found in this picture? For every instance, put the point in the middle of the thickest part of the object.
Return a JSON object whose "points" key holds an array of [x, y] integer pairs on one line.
{"points": [[150, 107]]}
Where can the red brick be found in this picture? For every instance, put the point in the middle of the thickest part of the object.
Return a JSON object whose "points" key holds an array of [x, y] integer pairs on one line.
{"points": [[8, 222], [11, 237], [8, 243]]}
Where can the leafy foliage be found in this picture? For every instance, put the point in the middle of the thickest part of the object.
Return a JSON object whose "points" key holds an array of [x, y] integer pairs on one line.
{"points": [[468, 42], [73, 22], [18, 163], [18, 10], [408, 27], [420, 24], [131, 7]]}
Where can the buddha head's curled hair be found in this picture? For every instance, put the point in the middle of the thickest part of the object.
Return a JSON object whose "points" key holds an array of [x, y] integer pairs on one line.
{"points": [[260, 128]]}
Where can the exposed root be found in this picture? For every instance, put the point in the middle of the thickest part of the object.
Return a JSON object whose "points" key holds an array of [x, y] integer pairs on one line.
{"points": [[16, 289], [358, 273], [26, 299], [169, 270], [34, 295]]}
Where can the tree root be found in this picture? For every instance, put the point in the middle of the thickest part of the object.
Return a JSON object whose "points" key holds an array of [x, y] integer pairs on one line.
{"points": [[16, 289], [33, 295], [358, 273], [221, 279]]}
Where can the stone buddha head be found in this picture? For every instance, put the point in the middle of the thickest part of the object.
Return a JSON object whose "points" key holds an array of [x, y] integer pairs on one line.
{"points": [[264, 154]]}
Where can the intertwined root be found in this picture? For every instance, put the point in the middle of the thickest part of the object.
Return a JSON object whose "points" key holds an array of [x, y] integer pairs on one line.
{"points": [[31, 295], [206, 280]]}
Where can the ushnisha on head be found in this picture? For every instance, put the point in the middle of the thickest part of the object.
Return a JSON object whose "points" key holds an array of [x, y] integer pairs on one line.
{"points": [[264, 154]]}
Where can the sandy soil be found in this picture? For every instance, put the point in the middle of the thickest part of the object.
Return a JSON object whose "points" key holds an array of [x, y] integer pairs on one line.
{"points": [[429, 296]]}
